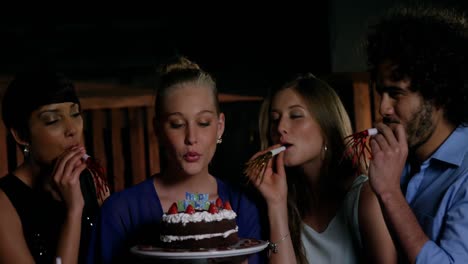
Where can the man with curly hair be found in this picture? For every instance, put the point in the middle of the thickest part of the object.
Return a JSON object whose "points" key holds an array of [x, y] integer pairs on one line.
{"points": [[417, 57]]}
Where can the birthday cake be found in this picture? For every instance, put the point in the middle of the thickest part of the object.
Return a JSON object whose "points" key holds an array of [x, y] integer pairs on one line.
{"points": [[199, 223]]}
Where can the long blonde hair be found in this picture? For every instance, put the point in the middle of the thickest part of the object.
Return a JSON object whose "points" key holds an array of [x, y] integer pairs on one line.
{"points": [[328, 110]]}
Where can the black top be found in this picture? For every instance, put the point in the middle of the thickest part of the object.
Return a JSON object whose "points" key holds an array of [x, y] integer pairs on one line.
{"points": [[42, 216]]}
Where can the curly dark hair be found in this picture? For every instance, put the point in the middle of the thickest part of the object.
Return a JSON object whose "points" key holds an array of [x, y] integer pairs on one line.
{"points": [[429, 46]]}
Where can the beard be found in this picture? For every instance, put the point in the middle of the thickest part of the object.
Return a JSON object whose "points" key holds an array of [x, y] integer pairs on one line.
{"points": [[420, 127]]}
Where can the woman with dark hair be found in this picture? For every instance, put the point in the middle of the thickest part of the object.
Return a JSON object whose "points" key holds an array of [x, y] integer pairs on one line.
{"points": [[320, 209], [48, 202]]}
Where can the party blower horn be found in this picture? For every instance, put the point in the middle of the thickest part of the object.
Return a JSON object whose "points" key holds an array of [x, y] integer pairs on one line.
{"points": [[98, 170], [259, 164], [356, 146]]}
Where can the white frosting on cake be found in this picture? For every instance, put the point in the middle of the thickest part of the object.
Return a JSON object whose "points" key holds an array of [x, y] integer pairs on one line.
{"points": [[197, 237], [196, 217]]}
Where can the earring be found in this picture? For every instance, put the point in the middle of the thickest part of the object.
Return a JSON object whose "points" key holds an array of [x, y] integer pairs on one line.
{"points": [[26, 150], [219, 140], [323, 152]]}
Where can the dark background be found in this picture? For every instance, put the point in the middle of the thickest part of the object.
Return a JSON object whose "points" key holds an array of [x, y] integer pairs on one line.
{"points": [[245, 51], [248, 49]]}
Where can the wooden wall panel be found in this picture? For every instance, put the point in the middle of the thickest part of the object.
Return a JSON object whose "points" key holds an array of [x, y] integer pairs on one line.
{"points": [[153, 145], [137, 144], [118, 161], [376, 98], [362, 102], [98, 124]]}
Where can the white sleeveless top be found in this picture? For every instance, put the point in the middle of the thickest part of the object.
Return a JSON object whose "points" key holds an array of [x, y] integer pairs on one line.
{"points": [[341, 241]]}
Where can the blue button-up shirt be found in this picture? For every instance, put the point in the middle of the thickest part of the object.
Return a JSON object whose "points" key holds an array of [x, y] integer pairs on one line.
{"points": [[438, 195]]}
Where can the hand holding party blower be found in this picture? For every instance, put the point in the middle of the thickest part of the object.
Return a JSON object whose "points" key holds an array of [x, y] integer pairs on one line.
{"points": [[260, 163]]}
